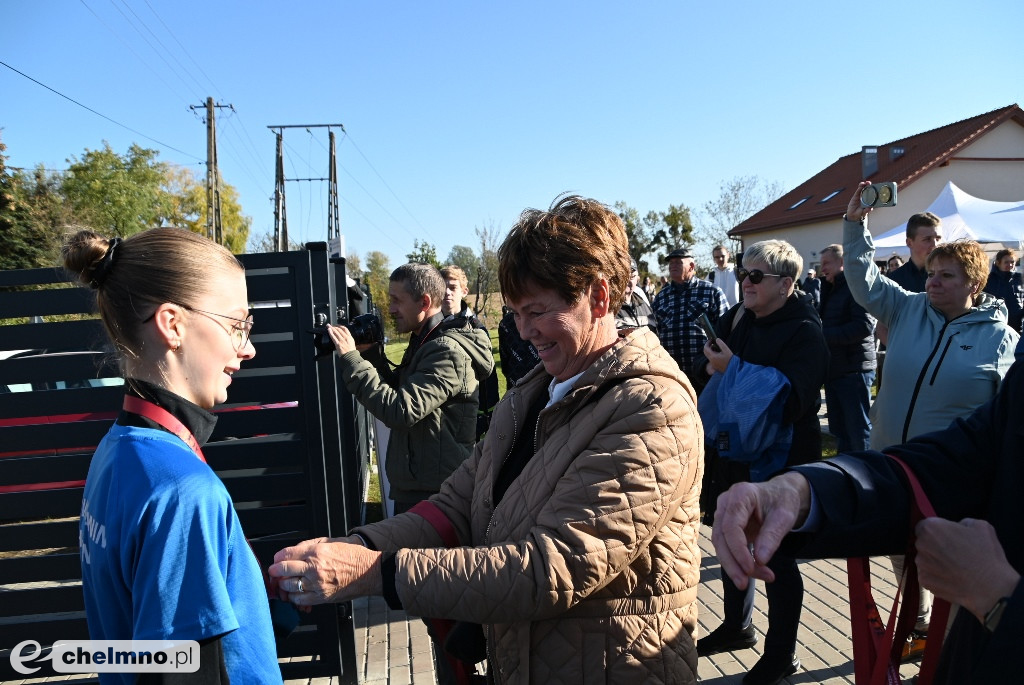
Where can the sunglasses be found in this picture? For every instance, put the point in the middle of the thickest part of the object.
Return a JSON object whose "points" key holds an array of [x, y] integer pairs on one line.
{"points": [[755, 275]]}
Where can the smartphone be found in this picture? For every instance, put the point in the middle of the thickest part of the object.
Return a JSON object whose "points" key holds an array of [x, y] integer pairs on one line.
{"points": [[709, 331]]}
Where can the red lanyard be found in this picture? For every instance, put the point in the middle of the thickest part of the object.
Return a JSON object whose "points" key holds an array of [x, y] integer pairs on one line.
{"points": [[165, 419]]}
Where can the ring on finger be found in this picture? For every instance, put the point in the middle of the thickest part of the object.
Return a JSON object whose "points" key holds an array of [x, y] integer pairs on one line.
{"points": [[299, 585]]}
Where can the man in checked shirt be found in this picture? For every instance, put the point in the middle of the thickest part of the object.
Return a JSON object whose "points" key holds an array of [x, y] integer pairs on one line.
{"points": [[679, 304]]}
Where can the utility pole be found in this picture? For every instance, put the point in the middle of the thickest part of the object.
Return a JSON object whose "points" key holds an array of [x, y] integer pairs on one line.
{"points": [[213, 218], [280, 214], [280, 211], [333, 219]]}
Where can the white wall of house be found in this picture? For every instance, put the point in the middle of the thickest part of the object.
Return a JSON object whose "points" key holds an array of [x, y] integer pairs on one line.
{"points": [[991, 168]]}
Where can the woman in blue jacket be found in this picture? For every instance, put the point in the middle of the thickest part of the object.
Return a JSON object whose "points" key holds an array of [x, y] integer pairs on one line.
{"points": [[948, 348]]}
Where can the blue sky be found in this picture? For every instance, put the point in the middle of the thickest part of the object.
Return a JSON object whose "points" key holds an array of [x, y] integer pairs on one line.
{"points": [[460, 114]]}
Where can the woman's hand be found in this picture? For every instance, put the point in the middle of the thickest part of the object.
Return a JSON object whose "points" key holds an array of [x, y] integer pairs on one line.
{"points": [[854, 210], [321, 571], [718, 361]]}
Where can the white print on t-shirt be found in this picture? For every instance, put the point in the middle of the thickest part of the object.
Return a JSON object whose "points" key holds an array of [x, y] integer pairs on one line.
{"points": [[97, 532]]}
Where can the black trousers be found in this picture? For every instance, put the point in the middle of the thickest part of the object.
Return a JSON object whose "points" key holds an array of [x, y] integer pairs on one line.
{"points": [[785, 600]]}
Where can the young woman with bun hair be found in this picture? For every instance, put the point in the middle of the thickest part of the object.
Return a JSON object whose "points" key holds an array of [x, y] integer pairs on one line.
{"points": [[162, 550]]}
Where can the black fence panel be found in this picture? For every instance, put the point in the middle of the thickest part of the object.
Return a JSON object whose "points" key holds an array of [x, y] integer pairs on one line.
{"points": [[291, 445]]}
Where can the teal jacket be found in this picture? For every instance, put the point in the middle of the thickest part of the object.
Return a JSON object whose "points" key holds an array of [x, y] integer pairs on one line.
{"points": [[429, 402], [935, 370]]}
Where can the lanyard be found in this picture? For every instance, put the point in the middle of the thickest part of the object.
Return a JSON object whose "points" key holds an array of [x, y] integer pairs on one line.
{"points": [[165, 419]]}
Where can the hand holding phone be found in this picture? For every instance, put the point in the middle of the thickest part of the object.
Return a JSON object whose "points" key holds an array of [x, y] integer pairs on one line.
{"points": [[709, 331]]}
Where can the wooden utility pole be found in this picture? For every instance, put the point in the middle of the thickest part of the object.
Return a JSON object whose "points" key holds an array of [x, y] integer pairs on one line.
{"points": [[213, 218]]}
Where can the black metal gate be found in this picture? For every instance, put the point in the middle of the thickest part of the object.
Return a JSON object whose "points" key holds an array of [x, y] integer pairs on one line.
{"points": [[291, 445]]}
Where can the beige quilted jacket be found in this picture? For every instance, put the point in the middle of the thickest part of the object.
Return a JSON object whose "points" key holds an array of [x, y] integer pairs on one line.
{"points": [[587, 571]]}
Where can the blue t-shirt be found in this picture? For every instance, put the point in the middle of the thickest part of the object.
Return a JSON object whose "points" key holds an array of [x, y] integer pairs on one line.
{"points": [[164, 557]]}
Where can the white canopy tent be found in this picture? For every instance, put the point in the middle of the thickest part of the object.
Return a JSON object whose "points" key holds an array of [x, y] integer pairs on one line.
{"points": [[963, 216]]}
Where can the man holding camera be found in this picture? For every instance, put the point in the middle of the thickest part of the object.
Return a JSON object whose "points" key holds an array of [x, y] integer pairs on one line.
{"points": [[430, 400]]}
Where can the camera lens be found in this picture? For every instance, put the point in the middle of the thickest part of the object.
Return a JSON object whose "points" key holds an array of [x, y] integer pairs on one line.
{"points": [[869, 196]]}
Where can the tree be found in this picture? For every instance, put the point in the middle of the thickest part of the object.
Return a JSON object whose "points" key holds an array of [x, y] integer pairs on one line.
{"points": [[264, 242], [737, 201], [464, 258], [378, 275], [32, 217], [353, 265], [487, 265], [186, 203], [644, 235], [117, 195], [423, 253]]}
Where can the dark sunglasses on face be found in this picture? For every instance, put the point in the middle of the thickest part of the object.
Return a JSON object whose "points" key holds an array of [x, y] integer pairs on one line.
{"points": [[755, 275]]}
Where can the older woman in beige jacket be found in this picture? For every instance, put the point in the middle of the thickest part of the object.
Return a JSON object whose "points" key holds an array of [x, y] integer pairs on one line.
{"points": [[571, 533]]}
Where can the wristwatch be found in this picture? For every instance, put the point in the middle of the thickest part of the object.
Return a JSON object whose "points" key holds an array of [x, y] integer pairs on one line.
{"points": [[993, 615]]}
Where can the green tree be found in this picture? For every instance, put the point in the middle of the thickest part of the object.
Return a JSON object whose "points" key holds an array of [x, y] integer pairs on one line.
{"points": [[423, 253], [115, 194], [464, 258], [32, 217], [378, 275], [644, 235], [185, 198]]}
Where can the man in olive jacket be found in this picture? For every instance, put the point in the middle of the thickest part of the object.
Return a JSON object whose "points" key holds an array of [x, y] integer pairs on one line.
{"points": [[430, 400]]}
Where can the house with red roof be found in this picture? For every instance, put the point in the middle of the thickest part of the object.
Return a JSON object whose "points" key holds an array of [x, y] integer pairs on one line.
{"points": [[983, 155]]}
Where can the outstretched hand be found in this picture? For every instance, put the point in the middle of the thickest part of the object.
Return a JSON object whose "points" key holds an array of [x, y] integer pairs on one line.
{"points": [[760, 514], [320, 571]]}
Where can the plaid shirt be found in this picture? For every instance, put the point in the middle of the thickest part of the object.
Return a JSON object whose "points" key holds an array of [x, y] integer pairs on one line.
{"points": [[678, 305]]}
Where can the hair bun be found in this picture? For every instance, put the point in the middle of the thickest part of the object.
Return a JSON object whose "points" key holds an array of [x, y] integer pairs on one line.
{"points": [[88, 256]]}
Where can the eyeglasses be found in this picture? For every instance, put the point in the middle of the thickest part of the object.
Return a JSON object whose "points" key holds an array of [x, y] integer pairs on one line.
{"points": [[755, 275], [239, 331]]}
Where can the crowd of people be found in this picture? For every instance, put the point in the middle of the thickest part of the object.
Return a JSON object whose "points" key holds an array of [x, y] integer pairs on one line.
{"points": [[552, 535]]}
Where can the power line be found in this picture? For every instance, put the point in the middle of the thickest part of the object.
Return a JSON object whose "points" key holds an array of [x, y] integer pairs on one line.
{"points": [[183, 49], [387, 186], [137, 55], [158, 52], [104, 116], [379, 203]]}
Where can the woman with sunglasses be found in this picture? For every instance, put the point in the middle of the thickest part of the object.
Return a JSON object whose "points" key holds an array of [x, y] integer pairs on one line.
{"points": [[764, 374], [162, 551]]}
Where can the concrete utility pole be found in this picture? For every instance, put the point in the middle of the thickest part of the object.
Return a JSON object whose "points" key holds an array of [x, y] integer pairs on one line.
{"points": [[213, 217], [280, 211]]}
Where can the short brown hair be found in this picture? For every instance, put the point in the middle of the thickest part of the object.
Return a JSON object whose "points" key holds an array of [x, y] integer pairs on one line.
{"points": [[420, 279], [135, 276], [1006, 252], [835, 248], [922, 219], [456, 272], [969, 255], [565, 249]]}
